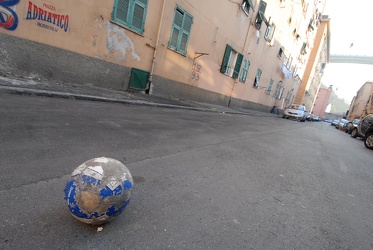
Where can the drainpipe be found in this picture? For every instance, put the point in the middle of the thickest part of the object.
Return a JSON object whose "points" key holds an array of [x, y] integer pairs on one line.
{"points": [[150, 80], [242, 51]]}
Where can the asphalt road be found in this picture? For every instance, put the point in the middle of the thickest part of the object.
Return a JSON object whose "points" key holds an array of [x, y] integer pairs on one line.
{"points": [[202, 180]]}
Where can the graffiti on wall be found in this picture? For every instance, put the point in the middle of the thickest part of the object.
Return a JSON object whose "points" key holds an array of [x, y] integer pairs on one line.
{"points": [[8, 16], [47, 17]]}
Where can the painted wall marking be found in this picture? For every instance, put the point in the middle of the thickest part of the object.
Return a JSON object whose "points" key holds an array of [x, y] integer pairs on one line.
{"points": [[8, 17], [46, 18], [196, 71]]}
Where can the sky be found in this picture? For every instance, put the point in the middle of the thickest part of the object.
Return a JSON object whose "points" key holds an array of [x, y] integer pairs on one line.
{"points": [[350, 23]]}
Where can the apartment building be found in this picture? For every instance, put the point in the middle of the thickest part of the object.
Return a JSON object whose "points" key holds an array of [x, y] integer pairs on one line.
{"points": [[319, 57], [362, 103], [321, 101], [244, 53]]}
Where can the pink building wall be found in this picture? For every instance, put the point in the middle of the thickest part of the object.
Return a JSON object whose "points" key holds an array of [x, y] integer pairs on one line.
{"points": [[322, 101]]}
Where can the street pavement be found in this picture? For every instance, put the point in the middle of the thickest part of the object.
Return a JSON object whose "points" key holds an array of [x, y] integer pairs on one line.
{"points": [[206, 177]]}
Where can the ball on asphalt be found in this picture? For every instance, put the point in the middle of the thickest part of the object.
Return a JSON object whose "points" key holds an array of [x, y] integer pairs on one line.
{"points": [[98, 190]]}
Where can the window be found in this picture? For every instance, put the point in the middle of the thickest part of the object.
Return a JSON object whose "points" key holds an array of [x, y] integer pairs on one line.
{"points": [[295, 71], [244, 70], [310, 26], [291, 16], [322, 68], [303, 50], [131, 14], [269, 87], [305, 8], [289, 62], [288, 96], [270, 31], [246, 5], [180, 31], [281, 92], [275, 95], [260, 16], [232, 61], [257, 78], [280, 52]]}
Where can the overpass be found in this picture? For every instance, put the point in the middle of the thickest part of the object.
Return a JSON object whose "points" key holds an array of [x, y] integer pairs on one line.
{"points": [[358, 59]]}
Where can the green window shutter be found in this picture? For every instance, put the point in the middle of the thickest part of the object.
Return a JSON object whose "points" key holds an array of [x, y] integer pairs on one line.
{"points": [[245, 69], [270, 86], [180, 31], [276, 91], [266, 35], [183, 43], [238, 66], [120, 13], [174, 37], [224, 64], [257, 78], [178, 19], [131, 14], [138, 19], [187, 25]]}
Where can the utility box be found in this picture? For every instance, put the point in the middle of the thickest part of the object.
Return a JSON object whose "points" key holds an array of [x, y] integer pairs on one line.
{"points": [[139, 79]]}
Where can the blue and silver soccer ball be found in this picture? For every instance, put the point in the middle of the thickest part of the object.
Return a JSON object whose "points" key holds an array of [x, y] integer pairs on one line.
{"points": [[98, 190]]}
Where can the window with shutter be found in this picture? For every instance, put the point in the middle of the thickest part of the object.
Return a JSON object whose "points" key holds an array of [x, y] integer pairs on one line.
{"points": [[224, 64], [260, 16], [257, 78], [232, 62], [237, 67], [281, 92], [130, 14], [270, 87], [244, 70], [270, 31], [246, 5], [275, 95], [180, 32]]}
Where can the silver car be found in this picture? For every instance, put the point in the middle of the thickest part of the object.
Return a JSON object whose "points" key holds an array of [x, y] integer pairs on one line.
{"points": [[296, 111]]}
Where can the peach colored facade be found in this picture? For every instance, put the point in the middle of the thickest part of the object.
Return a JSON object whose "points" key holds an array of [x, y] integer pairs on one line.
{"points": [[362, 103], [319, 57], [321, 101], [86, 27]]}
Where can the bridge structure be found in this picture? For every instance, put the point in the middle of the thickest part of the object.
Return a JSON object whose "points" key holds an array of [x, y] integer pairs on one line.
{"points": [[357, 59]]}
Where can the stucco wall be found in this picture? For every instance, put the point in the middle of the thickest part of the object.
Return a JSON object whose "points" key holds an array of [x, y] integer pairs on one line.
{"points": [[31, 59], [76, 40]]}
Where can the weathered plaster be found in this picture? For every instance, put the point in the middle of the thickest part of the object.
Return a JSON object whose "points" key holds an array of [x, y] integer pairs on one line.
{"points": [[118, 43]]}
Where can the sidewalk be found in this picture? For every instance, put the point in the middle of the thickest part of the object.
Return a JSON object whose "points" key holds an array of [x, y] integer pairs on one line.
{"points": [[25, 86]]}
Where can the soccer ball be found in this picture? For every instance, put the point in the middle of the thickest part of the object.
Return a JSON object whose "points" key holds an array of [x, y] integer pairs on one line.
{"points": [[98, 190]]}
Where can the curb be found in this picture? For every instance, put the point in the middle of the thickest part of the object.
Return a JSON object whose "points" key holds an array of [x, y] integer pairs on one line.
{"points": [[66, 95]]}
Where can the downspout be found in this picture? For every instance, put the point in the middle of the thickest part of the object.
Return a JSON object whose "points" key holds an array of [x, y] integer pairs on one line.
{"points": [[150, 80], [242, 51]]}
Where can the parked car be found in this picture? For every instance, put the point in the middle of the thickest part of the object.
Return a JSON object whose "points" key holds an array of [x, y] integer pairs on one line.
{"points": [[310, 117], [334, 122], [341, 123], [296, 111], [316, 118], [351, 125], [365, 130]]}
